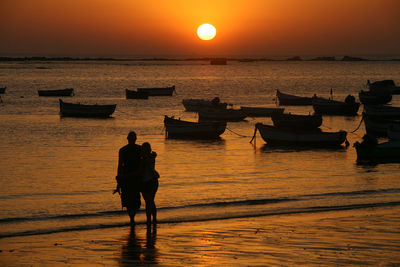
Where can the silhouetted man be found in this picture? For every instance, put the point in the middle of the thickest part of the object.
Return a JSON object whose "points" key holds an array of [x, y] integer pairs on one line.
{"points": [[127, 178]]}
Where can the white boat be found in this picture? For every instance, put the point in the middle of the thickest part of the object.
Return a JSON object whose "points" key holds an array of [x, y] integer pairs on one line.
{"points": [[177, 128], [393, 131], [261, 111], [193, 104], [83, 110], [382, 111], [158, 91], [275, 136], [217, 114]]}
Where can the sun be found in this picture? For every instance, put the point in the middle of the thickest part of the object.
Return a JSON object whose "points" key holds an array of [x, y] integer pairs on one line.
{"points": [[206, 31]]}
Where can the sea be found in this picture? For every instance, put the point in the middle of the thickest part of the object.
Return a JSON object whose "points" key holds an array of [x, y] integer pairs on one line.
{"points": [[57, 174]]}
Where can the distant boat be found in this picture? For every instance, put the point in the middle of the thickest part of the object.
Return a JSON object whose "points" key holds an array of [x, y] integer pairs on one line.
{"points": [[384, 85], [261, 111], [217, 114], [333, 107], [131, 94], [368, 97], [218, 61], [382, 111], [161, 91], [293, 100], [3, 90], [296, 122], [199, 104], [176, 128], [393, 131], [61, 92], [372, 151], [275, 136], [81, 110]]}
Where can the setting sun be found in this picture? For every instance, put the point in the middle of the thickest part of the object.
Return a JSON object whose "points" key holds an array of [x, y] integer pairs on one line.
{"points": [[206, 32]]}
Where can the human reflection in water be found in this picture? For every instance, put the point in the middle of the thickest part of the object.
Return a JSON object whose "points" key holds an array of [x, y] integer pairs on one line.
{"points": [[137, 251]]}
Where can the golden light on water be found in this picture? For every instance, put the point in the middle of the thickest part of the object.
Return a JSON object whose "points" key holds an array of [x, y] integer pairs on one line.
{"points": [[206, 31]]}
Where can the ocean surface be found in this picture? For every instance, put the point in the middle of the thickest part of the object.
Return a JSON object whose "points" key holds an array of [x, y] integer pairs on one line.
{"points": [[57, 174]]}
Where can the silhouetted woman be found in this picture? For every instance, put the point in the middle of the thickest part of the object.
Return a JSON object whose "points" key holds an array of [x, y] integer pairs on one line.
{"points": [[149, 181]]}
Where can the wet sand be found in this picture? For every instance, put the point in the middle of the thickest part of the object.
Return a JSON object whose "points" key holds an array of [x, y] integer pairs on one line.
{"points": [[354, 237]]}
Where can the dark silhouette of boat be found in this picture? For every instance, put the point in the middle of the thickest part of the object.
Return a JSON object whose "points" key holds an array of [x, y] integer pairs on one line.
{"points": [[132, 94], [388, 85], [3, 90], [276, 136], [347, 107], [376, 126], [60, 92], [293, 100], [158, 91], [199, 104], [83, 110], [296, 122], [369, 97], [261, 111], [177, 128], [218, 114], [382, 111], [370, 150]]}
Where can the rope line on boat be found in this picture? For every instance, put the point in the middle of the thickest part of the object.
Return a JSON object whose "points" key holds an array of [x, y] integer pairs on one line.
{"points": [[359, 125], [254, 136], [237, 133]]}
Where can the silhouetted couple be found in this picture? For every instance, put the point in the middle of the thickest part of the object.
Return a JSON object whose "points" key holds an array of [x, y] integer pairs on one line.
{"points": [[137, 174]]}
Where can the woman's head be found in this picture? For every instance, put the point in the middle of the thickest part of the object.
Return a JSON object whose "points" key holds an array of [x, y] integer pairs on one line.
{"points": [[146, 148]]}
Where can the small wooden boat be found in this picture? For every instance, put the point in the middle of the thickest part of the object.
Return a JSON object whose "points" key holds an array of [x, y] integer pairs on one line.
{"points": [[81, 110], [132, 94], [296, 122], [377, 126], [293, 100], [199, 104], [162, 91], [384, 85], [3, 90], [260, 111], [368, 97], [332, 107], [61, 92], [393, 131], [372, 151], [217, 114], [176, 128], [275, 136], [382, 111]]}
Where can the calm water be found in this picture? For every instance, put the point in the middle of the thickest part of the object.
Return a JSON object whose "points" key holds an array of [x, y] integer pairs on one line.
{"points": [[57, 174]]}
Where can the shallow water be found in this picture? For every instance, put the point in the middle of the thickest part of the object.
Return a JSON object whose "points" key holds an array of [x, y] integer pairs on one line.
{"points": [[57, 174]]}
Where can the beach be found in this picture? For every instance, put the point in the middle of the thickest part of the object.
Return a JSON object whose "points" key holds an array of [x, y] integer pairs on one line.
{"points": [[308, 239]]}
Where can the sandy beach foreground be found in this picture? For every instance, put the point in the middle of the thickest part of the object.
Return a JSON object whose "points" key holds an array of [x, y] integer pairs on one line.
{"points": [[355, 237]]}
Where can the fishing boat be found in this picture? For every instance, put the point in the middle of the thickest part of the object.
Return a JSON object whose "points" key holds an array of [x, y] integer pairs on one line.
{"points": [[199, 104], [3, 90], [217, 114], [393, 131], [132, 94], [82, 110], [382, 111], [368, 97], [161, 91], [276, 136], [325, 106], [372, 151], [60, 92], [384, 85], [377, 126], [261, 111], [296, 121], [177, 128], [293, 100]]}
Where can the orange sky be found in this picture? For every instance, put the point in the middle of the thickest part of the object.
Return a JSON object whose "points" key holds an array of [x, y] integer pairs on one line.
{"points": [[168, 27]]}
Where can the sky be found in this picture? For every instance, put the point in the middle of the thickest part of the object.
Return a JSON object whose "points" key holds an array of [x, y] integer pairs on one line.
{"points": [[151, 28]]}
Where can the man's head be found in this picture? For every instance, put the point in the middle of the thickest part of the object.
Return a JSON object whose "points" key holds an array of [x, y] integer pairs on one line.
{"points": [[131, 137]]}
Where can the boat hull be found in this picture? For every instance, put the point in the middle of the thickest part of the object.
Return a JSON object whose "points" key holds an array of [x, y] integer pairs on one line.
{"points": [[330, 107], [261, 112], [163, 91], [388, 152], [367, 97], [193, 130], [130, 94], [80, 110], [62, 92], [274, 136], [292, 100], [221, 115], [296, 122]]}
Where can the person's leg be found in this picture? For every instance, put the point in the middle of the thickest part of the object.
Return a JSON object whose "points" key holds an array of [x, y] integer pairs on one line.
{"points": [[150, 206], [132, 213]]}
